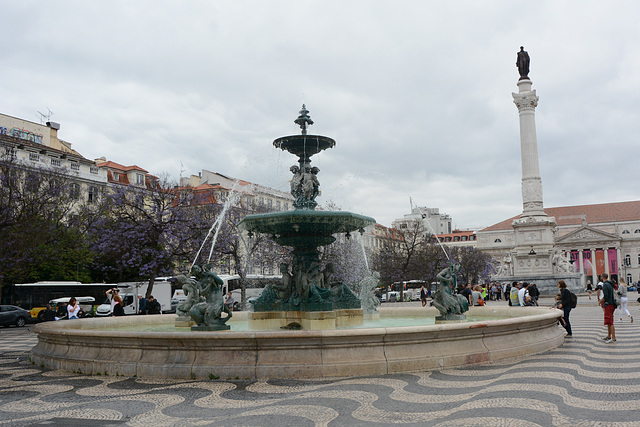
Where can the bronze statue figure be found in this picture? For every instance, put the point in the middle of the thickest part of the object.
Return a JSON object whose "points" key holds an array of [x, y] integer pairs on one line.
{"points": [[451, 306], [523, 63]]}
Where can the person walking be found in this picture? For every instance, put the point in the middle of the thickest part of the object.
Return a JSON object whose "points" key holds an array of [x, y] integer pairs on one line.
{"points": [[565, 306], [142, 304], [608, 304], [423, 296], [624, 300], [589, 288]]}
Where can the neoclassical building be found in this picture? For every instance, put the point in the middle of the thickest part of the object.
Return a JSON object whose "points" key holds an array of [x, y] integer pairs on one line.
{"points": [[592, 239]]}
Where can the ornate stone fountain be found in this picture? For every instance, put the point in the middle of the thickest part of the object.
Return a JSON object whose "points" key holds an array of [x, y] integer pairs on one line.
{"points": [[305, 287]]}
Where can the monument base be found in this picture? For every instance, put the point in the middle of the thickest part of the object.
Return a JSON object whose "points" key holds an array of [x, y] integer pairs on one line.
{"points": [[211, 328], [308, 320], [451, 318], [547, 284], [184, 322]]}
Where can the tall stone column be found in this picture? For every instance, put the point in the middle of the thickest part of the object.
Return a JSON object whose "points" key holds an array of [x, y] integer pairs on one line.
{"points": [[526, 100], [534, 230]]}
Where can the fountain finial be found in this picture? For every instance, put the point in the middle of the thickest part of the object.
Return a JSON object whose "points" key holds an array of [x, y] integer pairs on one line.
{"points": [[303, 119]]}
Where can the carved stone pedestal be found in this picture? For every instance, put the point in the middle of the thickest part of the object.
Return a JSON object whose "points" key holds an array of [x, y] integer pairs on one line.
{"points": [[308, 320], [211, 328], [184, 322], [451, 318]]}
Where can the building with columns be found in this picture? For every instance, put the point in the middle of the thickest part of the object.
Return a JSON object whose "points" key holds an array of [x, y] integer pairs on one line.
{"points": [[588, 239]]}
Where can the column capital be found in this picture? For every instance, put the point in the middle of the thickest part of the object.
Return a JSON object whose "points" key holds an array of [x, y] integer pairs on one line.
{"points": [[525, 100]]}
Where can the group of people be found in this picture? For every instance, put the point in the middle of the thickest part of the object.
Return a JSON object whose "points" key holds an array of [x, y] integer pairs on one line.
{"points": [[145, 306]]}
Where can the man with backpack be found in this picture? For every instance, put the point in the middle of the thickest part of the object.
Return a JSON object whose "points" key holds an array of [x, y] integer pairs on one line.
{"points": [[565, 305], [609, 304]]}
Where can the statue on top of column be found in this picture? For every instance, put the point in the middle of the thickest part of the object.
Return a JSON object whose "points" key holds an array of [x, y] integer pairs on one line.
{"points": [[523, 63]]}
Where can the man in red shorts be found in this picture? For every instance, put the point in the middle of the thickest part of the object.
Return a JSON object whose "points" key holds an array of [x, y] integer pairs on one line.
{"points": [[609, 304]]}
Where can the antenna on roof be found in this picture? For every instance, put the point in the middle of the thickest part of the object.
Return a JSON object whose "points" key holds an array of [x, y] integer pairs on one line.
{"points": [[45, 116], [182, 169]]}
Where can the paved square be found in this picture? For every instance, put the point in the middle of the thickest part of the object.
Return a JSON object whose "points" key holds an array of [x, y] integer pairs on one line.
{"points": [[585, 382]]}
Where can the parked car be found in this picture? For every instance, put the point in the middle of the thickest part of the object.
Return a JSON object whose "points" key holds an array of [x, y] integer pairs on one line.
{"points": [[12, 315]]}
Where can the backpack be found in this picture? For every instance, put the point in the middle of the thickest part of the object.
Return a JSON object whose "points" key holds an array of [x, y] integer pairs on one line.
{"points": [[616, 298], [573, 298]]}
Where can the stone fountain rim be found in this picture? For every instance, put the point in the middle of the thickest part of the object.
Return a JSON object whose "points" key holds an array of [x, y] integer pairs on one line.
{"points": [[82, 327], [302, 354]]}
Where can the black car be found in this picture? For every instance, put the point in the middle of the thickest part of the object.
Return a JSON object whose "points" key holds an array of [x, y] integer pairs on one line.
{"points": [[12, 315]]}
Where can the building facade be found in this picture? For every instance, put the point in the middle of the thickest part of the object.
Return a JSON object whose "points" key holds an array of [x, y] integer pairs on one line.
{"points": [[588, 239], [433, 222]]}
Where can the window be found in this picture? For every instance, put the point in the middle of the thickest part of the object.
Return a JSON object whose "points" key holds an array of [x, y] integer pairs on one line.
{"points": [[140, 179], [269, 203], [93, 193], [93, 170], [75, 166], [10, 153], [629, 279], [75, 190], [464, 238], [32, 183], [627, 260], [447, 239], [278, 205], [625, 232], [497, 241], [286, 206], [456, 238], [116, 176], [34, 157], [261, 201], [637, 231], [56, 162]]}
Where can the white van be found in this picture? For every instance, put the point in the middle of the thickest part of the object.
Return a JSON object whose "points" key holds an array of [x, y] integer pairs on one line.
{"points": [[85, 303], [129, 293]]}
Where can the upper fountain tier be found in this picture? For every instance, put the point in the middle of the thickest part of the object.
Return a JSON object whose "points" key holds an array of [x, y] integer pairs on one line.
{"points": [[304, 146], [304, 227]]}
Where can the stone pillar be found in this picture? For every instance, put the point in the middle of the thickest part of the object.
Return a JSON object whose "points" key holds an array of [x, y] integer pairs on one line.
{"points": [[606, 262], [621, 264], [594, 267], [526, 100], [581, 264]]}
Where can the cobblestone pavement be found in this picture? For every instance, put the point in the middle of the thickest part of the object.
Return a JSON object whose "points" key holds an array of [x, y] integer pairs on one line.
{"points": [[585, 382]]}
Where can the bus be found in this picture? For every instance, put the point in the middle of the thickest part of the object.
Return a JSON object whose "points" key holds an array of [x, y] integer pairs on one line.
{"points": [[410, 289], [36, 296]]}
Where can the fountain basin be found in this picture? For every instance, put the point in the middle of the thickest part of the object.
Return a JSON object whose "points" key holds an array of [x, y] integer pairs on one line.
{"points": [[95, 346]]}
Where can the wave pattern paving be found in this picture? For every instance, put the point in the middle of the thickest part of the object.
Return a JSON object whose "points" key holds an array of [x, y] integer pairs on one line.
{"points": [[583, 383]]}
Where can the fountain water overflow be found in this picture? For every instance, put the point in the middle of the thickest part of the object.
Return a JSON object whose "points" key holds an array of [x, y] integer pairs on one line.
{"points": [[307, 295]]}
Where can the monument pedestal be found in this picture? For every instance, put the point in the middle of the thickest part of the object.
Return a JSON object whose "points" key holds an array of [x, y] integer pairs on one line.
{"points": [[451, 318], [184, 322], [308, 320], [211, 328]]}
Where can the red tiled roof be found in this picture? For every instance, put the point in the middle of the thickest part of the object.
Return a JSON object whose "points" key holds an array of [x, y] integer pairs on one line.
{"points": [[114, 165], [596, 214]]}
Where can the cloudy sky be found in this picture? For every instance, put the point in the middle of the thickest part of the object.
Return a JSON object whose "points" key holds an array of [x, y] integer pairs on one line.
{"points": [[417, 94]]}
